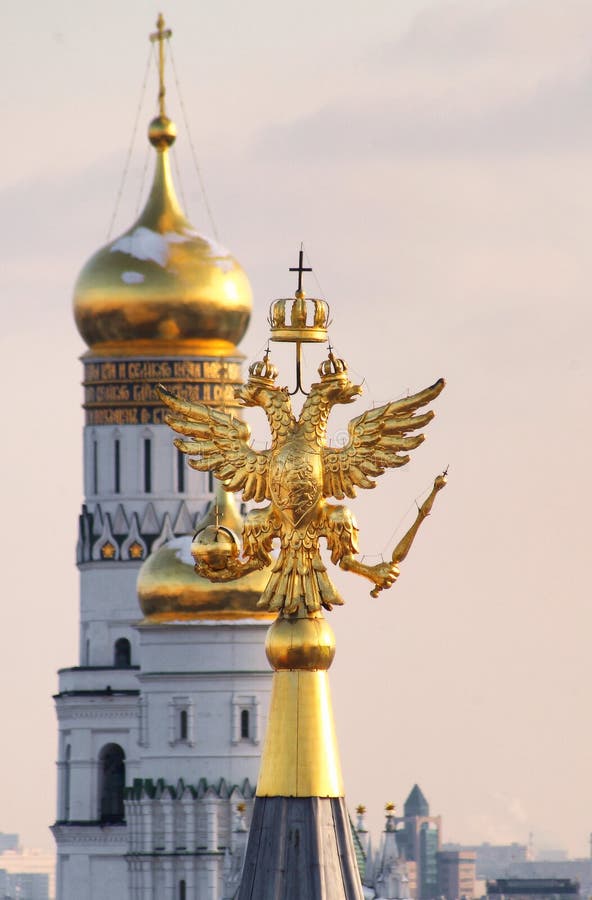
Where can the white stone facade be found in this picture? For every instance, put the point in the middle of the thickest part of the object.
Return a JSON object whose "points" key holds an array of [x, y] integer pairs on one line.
{"points": [[159, 725]]}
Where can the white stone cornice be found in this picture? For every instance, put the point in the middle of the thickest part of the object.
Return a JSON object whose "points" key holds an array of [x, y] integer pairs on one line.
{"points": [[65, 834], [129, 713]]}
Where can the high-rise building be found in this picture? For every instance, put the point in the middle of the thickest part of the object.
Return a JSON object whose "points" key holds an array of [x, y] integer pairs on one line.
{"points": [[160, 720], [419, 838], [456, 874]]}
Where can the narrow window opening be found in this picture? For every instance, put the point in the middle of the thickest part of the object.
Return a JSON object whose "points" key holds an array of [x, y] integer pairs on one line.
{"points": [[111, 784], [147, 466], [67, 782], [122, 657], [88, 651], [183, 725], [95, 467], [211, 482], [180, 472], [117, 465], [245, 729], [182, 890]]}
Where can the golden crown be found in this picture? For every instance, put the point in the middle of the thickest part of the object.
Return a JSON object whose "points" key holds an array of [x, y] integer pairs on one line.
{"points": [[332, 368], [263, 371], [299, 319]]}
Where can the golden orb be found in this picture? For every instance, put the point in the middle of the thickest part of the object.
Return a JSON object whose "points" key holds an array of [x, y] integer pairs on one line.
{"points": [[215, 545], [300, 643]]}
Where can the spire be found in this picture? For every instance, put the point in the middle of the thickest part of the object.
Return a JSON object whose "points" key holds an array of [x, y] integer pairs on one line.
{"points": [[416, 804], [161, 132], [390, 874]]}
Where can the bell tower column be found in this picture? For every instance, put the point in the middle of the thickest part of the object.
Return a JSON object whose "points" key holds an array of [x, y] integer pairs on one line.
{"points": [[159, 303]]}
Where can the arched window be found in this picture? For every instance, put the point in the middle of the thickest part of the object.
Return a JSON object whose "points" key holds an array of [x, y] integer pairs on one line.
{"points": [[244, 722], [183, 725], [182, 890], [66, 782], [111, 783], [122, 657]]}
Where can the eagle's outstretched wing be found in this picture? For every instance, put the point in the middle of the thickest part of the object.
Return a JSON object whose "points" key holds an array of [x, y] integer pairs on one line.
{"points": [[220, 444], [375, 441]]}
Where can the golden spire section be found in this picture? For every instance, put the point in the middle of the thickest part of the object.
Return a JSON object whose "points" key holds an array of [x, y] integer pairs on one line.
{"points": [[161, 35], [161, 132], [300, 756]]}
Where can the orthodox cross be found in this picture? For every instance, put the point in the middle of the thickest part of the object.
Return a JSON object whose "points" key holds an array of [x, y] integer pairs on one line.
{"points": [[161, 35], [300, 268]]}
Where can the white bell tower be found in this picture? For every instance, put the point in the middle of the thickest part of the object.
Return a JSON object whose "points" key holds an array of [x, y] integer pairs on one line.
{"points": [[159, 723]]}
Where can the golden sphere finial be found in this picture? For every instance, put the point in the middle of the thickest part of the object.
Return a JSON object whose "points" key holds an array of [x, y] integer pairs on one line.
{"points": [[162, 132], [300, 643]]}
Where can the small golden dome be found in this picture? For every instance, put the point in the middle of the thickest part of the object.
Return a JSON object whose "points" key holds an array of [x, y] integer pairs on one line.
{"points": [[161, 288], [170, 591]]}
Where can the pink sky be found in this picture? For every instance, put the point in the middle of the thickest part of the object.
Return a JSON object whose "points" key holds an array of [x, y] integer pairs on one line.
{"points": [[435, 159]]}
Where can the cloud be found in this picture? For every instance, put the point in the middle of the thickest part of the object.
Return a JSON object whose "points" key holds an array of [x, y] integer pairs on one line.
{"points": [[465, 81], [541, 33]]}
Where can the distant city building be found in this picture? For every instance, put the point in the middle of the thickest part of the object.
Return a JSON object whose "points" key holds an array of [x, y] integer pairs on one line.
{"points": [[8, 842], [551, 854], [26, 874], [23, 886], [493, 860], [456, 874], [405, 865], [418, 838], [533, 888], [575, 869]]}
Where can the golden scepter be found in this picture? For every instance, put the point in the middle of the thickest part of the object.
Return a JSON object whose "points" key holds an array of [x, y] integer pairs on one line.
{"points": [[404, 545]]}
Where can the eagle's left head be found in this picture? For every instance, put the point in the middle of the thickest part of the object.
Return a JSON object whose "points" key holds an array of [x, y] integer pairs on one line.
{"points": [[262, 376]]}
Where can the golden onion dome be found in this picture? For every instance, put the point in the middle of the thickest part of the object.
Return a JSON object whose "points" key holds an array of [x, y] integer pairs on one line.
{"points": [[170, 591], [161, 287]]}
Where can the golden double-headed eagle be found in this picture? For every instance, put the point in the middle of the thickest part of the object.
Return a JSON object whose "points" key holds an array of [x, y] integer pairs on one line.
{"points": [[297, 475]]}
